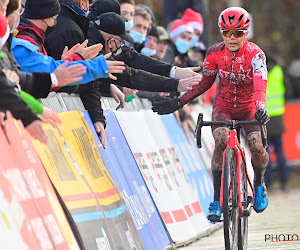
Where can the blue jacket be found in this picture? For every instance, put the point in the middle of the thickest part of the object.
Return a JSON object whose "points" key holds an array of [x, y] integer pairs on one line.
{"points": [[32, 61]]}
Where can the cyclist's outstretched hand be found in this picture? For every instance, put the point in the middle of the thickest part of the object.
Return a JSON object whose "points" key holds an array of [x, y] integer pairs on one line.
{"points": [[188, 83], [166, 105], [262, 116], [114, 67]]}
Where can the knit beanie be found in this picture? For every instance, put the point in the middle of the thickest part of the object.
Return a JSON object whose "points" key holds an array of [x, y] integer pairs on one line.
{"points": [[41, 9], [153, 32], [194, 19], [179, 27]]}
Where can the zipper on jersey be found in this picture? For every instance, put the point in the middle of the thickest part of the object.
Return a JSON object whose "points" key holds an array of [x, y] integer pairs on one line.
{"points": [[234, 83]]}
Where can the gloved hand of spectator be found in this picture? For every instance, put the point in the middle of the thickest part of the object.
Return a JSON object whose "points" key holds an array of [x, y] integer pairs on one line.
{"points": [[166, 105], [188, 83], [262, 116]]}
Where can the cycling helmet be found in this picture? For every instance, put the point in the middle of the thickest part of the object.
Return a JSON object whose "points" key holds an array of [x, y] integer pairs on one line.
{"points": [[234, 18]]}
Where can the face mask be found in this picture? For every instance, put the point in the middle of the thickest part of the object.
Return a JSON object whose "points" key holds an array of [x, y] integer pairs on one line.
{"points": [[182, 45], [128, 25], [50, 29], [15, 26], [194, 41], [148, 52], [137, 36]]}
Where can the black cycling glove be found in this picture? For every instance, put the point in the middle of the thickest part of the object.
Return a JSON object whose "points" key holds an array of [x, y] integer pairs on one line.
{"points": [[166, 105], [262, 116]]}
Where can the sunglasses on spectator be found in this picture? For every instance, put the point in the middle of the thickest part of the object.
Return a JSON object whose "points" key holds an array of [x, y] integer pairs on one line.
{"points": [[236, 33]]}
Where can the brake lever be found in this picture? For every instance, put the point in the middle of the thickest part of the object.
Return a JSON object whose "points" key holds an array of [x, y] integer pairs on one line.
{"points": [[197, 134]]}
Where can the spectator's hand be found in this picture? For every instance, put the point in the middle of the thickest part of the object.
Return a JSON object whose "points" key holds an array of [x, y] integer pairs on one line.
{"points": [[49, 116], [166, 105], [114, 67], [88, 53], [188, 83], [99, 126], [117, 94], [69, 75], [182, 73], [164, 93], [12, 75], [36, 130], [128, 92], [262, 116], [67, 53], [2, 116]]}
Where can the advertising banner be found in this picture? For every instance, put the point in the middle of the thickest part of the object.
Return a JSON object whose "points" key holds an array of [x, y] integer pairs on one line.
{"points": [[178, 170], [122, 167], [156, 175], [75, 167], [196, 172]]}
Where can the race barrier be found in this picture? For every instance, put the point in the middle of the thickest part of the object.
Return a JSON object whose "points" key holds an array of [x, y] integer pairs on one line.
{"points": [[149, 189], [31, 216]]}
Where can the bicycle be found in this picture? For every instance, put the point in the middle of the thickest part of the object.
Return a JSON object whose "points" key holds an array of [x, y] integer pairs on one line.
{"points": [[236, 203]]}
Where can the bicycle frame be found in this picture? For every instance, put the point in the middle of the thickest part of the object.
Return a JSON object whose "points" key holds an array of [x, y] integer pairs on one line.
{"points": [[234, 144]]}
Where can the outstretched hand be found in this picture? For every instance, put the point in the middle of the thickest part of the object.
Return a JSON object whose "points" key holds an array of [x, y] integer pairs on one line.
{"points": [[69, 75], [114, 67], [188, 83], [182, 73], [166, 105]]}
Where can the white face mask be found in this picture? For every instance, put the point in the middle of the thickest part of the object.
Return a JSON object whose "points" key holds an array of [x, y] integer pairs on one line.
{"points": [[15, 26]]}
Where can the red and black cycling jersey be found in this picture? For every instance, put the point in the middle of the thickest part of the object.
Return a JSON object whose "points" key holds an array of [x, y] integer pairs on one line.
{"points": [[242, 77]]}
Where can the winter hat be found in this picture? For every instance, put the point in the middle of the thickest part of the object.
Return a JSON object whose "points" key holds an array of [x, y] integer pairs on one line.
{"points": [[103, 6], [41, 9], [4, 29], [153, 32], [148, 10], [162, 34], [179, 27], [194, 19]]}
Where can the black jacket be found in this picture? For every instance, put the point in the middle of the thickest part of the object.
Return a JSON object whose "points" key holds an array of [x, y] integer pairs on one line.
{"points": [[72, 28], [36, 84], [11, 100], [141, 72]]}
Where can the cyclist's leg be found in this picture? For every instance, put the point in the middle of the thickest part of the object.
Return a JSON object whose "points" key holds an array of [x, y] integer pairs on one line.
{"points": [[259, 160], [220, 135]]}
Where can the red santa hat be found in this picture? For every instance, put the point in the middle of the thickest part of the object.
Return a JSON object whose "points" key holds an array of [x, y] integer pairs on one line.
{"points": [[4, 29], [179, 27], [194, 19]]}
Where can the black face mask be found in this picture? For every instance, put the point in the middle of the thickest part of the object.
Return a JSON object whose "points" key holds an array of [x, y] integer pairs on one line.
{"points": [[50, 29], [117, 48]]}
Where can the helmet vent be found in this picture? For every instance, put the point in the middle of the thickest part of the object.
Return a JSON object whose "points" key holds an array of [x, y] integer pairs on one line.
{"points": [[231, 18], [223, 20], [247, 21], [240, 19]]}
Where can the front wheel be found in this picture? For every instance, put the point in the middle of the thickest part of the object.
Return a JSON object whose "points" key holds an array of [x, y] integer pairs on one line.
{"points": [[243, 221], [230, 200]]}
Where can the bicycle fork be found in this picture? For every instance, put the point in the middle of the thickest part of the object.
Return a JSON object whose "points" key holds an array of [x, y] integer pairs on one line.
{"points": [[239, 157]]}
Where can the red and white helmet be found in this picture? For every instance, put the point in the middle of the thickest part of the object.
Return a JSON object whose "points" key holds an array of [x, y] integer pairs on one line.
{"points": [[234, 18]]}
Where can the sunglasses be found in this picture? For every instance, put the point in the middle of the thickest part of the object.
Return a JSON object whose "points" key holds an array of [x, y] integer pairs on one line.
{"points": [[236, 33]]}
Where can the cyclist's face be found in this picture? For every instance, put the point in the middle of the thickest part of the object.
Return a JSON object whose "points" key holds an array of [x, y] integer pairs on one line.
{"points": [[234, 43]]}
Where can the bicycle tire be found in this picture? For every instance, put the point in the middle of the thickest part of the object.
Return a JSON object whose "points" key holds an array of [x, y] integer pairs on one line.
{"points": [[243, 221], [230, 201]]}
